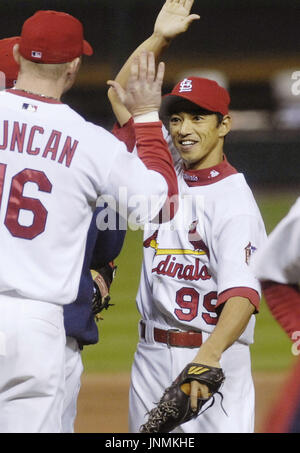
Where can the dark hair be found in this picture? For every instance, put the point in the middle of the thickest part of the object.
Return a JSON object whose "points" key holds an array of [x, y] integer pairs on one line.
{"points": [[220, 117], [189, 107]]}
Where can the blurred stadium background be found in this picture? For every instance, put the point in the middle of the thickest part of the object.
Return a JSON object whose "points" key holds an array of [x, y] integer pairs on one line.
{"points": [[252, 47]]}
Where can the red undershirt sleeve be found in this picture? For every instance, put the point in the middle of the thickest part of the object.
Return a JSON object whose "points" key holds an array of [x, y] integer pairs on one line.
{"points": [[154, 152], [284, 304], [126, 134]]}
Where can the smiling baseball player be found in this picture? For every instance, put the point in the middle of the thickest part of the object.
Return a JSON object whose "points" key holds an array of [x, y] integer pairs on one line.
{"points": [[197, 295], [53, 167]]}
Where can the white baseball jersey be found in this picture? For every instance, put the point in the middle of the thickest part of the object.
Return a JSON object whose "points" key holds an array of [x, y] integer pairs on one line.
{"points": [[279, 259], [53, 166], [201, 257]]}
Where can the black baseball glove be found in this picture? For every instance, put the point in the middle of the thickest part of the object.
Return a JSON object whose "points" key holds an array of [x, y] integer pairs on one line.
{"points": [[102, 278], [174, 408]]}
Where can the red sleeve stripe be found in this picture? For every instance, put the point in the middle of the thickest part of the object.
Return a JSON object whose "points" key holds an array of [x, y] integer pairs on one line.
{"points": [[247, 293]]}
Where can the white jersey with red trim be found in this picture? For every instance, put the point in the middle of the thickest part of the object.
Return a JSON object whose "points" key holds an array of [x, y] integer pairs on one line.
{"points": [[200, 259], [53, 166], [279, 259]]}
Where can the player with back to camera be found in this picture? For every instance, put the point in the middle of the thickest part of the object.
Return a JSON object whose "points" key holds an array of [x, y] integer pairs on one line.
{"points": [[79, 316], [102, 247], [277, 265], [54, 165], [197, 295]]}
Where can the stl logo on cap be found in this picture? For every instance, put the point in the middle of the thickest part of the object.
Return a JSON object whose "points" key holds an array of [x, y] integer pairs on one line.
{"points": [[205, 93], [186, 85]]}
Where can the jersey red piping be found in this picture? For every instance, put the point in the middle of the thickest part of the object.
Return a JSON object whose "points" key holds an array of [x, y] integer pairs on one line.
{"points": [[247, 293], [210, 175]]}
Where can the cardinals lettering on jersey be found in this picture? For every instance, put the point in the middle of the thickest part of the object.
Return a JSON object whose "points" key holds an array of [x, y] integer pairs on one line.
{"points": [[173, 269]]}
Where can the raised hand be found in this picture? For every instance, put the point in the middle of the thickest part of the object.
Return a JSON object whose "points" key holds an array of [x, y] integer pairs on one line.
{"points": [[143, 91], [174, 18]]}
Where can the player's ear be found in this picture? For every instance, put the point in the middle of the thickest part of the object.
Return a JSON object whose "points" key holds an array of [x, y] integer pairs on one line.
{"points": [[72, 69], [225, 126], [16, 54], [74, 66]]}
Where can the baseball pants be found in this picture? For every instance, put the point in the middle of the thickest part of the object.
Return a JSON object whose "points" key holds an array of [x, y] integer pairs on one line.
{"points": [[155, 367], [32, 364], [73, 372]]}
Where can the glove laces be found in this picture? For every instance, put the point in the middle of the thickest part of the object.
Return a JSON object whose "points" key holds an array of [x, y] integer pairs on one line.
{"points": [[160, 415]]}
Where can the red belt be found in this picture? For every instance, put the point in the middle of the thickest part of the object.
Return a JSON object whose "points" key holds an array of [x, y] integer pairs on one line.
{"points": [[175, 337]]}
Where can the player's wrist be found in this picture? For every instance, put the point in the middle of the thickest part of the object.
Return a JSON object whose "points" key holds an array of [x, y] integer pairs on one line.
{"points": [[148, 117], [161, 38], [209, 354]]}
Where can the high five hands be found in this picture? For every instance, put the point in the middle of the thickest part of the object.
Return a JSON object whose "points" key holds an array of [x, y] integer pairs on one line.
{"points": [[143, 92], [174, 18]]}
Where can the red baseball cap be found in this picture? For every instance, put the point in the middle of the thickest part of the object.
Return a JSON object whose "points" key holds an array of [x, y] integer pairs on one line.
{"points": [[205, 93], [8, 64], [53, 37]]}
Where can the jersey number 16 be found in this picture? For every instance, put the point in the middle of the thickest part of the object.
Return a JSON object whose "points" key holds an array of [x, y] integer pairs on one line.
{"points": [[17, 202]]}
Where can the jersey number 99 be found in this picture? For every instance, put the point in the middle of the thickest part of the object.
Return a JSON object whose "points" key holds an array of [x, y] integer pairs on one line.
{"points": [[188, 300]]}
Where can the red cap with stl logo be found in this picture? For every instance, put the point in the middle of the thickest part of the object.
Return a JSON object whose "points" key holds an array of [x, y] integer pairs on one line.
{"points": [[53, 37], [205, 93], [8, 64]]}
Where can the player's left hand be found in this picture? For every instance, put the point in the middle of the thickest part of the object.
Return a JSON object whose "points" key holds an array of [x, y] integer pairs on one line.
{"points": [[200, 390], [174, 407], [143, 92], [174, 18]]}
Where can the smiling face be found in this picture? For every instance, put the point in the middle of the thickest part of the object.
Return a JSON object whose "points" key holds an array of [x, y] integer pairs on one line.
{"points": [[198, 135]]}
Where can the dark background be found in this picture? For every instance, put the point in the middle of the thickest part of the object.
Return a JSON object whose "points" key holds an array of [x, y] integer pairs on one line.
{"points": [[248, 40]]}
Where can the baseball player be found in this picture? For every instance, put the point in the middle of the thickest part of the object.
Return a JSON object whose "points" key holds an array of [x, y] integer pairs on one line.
{"points": [[197, 295], [102, 247], [54, 165], [277, 265]]}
